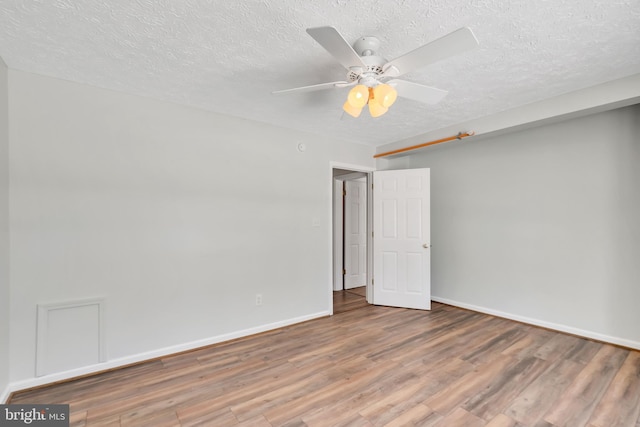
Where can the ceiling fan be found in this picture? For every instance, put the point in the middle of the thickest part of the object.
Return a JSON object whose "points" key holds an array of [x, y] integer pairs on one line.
{"points": [[373, 78]]}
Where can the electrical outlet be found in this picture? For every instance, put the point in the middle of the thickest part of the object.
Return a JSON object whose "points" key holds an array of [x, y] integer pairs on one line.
{"points": [[258, 299]]}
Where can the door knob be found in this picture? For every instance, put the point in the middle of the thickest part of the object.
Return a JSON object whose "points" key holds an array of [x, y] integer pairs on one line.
{"points": [[425, 246]]}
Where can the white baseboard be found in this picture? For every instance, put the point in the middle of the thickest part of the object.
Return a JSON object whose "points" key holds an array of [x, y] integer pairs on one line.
{"points": [[141, 357], [536, 322]]}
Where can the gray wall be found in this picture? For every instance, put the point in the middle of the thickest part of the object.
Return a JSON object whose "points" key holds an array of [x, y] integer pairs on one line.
{"points": [[542, 224], [177, 216], [4, 229]]}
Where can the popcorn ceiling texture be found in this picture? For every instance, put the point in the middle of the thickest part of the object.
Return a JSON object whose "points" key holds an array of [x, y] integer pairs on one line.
{"points": [[227, 56]]}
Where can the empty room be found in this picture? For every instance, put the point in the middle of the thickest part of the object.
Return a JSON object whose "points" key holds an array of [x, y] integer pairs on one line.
{"points": [[287, 213]]}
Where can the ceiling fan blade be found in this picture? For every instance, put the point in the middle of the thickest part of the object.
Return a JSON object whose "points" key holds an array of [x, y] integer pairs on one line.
{"points": [[330, 39], [312, 88], [418, 92], [454, 43]]}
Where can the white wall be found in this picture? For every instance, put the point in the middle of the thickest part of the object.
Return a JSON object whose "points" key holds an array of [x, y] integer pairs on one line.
{"points": [[4, 230], [542, 224], [177, 216]]}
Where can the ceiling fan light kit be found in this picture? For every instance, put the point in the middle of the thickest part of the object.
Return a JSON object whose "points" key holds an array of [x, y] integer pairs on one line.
{"points": [[379, 99], [385, 95], [375, 109], [351, 110], [373, 77], [358, 96]]}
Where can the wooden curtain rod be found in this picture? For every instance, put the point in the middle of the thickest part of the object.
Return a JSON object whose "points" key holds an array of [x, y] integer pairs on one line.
{"points": [[425, 144]]}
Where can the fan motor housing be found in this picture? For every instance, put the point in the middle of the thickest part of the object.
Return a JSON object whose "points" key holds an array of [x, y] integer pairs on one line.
{"points": [[374, 65]]}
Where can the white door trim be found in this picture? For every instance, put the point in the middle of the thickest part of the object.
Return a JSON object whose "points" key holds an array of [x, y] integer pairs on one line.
{"points": [[354, 168], [337, 235], [355, 233]]}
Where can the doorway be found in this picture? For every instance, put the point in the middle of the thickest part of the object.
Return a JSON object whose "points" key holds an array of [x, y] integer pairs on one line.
{"points": [[402, 212], [351, 238]]}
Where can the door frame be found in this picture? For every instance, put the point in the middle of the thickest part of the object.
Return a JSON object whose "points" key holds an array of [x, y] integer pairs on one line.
{"points": [[339, 226], [369, 175], [355, 192]]}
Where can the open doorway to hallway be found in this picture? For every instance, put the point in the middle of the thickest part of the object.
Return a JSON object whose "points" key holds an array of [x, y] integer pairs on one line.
{"points": [[350, 239]]}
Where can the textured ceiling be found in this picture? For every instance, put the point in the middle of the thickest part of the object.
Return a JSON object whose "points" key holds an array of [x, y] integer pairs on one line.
{"points": [[227, 56]]}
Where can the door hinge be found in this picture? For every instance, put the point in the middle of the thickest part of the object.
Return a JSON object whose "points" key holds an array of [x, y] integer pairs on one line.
{"points": [[372, 281], [372, 234], [344, 192], [344, 272]]}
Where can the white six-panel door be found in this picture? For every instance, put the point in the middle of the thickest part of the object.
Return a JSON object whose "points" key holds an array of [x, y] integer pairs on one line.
{"points": [[355, 233], [401, 240]]}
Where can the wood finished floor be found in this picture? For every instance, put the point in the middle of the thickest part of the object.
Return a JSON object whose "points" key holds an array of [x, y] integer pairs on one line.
{"points": [[371, 366], [350, 299]]}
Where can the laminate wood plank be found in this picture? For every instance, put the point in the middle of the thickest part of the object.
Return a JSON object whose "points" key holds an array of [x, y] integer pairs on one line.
{"points": [[259, 421], [78, 389], [460, 417], [77, 418], [275, 347], [243, 389], [280, 344], [352, 421], [504, 387], [361, 290], [528, 345], [212, 391], [447, 340], [583, 351], [143, 416], [393, 394], [540, 423], [351, 299], [165, 388], [498, 343], [393, 405], [409, 340], [417, 415], [556, 347], [580, 399], [447, 370], [112, 421], [373, 312], [326, 417], [620, 405], [421, 339], [446, 346], [217, 362], [458, 392], [159, 387], [220, 417], [501, 420], [537, 398], [337, 350], [338, 390], [297, 388], [167, 418], [334, 419]]}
